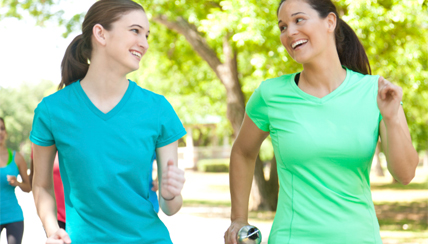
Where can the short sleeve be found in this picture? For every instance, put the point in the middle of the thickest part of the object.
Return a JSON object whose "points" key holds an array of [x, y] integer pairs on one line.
{"points": [[257, 110], [171, 129], [41, 132]]}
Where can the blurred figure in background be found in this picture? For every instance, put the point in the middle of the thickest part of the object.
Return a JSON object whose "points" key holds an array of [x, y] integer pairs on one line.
{"points": [[12, 164]]}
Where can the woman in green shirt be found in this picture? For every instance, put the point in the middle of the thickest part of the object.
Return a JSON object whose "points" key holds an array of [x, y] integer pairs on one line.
{"points": [[324, 123]]}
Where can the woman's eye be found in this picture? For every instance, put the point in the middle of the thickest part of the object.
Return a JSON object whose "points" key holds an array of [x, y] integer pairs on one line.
{"points": [[135, 30], [282, 28], [298, 20]]}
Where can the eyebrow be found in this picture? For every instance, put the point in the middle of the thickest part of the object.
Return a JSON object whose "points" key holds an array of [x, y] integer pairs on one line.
{"points": [[137, 25], [292, 16]]}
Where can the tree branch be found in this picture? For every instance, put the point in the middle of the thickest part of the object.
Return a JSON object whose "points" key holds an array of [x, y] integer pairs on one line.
{"points": [[194, 38]]}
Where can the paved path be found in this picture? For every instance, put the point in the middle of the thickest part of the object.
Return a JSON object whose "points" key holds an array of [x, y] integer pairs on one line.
{"points": [[183, 227]]}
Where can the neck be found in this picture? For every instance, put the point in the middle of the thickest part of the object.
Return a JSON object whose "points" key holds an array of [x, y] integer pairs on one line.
{"points": [[104, 81], [324, 73]]}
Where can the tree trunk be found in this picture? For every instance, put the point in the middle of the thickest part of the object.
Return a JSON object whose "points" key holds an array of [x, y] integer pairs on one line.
{"points": [[263, 193]]}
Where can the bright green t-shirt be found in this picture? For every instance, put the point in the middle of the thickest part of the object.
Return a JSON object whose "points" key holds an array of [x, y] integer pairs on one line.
{"points": [[324, 149]]}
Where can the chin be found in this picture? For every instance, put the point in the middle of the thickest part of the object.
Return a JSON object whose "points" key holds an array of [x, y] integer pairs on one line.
{"points": [[301, 59], [133, 67]]}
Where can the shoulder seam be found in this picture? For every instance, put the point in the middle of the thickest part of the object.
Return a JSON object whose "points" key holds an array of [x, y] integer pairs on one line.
{"points": [[50, 121], [267, 107]]}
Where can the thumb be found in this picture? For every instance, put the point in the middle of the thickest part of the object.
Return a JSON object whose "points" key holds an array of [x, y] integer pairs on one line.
{"points": [[170, 163]]}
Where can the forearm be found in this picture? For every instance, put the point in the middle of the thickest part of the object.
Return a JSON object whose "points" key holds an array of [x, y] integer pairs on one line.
{"points": [[401, 156], [171, 207], [46, 208], [25, 187], [240, 177]]}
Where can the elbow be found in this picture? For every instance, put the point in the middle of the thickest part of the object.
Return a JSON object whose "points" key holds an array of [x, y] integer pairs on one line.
{"points": [[27, 190], [406, 180]]}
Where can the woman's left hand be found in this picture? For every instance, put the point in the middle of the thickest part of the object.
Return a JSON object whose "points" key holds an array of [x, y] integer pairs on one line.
{"points": [[172, 181], [12, 180], [388, 99]]}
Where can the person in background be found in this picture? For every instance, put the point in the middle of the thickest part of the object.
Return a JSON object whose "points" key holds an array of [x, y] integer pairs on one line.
{"points": [[153, 197], [12, 164]]}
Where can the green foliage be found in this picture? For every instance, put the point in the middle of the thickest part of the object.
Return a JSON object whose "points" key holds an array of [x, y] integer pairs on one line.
{"points": [[266, 150], [393, 32], [17, 108], [213, 165]]}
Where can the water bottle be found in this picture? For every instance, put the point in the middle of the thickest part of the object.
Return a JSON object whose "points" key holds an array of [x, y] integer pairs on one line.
{"points": [[249, 235]]}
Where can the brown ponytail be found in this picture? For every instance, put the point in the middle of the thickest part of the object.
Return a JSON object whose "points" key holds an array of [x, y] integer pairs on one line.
{"points": [[74, 65], [351, 51]]}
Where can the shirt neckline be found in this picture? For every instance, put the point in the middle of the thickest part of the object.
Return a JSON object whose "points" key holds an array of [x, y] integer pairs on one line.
{"points": [[113, 111], [326, 97]]}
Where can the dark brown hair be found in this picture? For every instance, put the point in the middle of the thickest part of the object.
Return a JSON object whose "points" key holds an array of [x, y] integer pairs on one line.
{"points": [[351, 51], [74, 65], [1, 118]]}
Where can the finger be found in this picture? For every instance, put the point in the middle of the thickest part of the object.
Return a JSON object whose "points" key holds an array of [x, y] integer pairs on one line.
{"points": [[174, 175], [233, 236], [174, 190], [381, 86], [64, 236], [384, 91], [51, 241]]}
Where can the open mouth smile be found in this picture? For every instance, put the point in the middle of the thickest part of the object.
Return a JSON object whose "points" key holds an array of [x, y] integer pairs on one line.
{"points": [[136, 54], [298, 43]]}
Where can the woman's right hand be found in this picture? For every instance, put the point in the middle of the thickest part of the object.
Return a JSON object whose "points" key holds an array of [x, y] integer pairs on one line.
{"points": [[59, 237], [230, 237]]}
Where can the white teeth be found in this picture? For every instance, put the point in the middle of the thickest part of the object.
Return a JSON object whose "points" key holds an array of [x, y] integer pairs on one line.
{"points": [[294, 45], [136, 54]]}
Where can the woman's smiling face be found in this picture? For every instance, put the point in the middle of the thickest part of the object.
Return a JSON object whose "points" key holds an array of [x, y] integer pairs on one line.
{"points": [[127, 40], [303, 33]]}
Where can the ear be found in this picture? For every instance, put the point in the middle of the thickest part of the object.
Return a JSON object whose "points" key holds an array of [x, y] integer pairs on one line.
{"points": [[331, 20], [99, 34]]}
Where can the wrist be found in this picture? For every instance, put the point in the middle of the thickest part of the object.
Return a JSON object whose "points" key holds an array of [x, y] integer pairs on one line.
{"points": [[391, 121], [239, 218]]}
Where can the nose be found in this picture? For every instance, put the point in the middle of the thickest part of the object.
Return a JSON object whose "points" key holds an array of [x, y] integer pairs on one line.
{"points": [[292, 30], [143, 43]]}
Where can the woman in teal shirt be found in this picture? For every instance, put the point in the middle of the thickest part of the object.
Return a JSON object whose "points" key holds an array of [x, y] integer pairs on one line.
{"points": [[324, 123], [12, 164], [105, 129]]}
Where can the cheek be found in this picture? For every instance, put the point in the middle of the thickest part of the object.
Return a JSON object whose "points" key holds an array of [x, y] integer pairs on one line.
{"points": [[284, 42]]}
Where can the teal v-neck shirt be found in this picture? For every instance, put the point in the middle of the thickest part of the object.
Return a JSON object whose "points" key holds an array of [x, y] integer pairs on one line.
{"points": [[324, 149], [105, 161]]}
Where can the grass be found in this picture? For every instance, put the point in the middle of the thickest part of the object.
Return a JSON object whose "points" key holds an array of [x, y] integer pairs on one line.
{"points": [[397, 186], [403, 216], [205, 203]]}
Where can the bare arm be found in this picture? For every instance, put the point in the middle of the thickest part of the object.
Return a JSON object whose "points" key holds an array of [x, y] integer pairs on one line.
{"points": [[397, 145], [25, 185], [242, 162], [43, 189], [171, 179]]}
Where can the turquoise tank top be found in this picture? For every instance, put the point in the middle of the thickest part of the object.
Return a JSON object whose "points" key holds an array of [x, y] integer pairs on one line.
{"points": [[10, 211]]}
